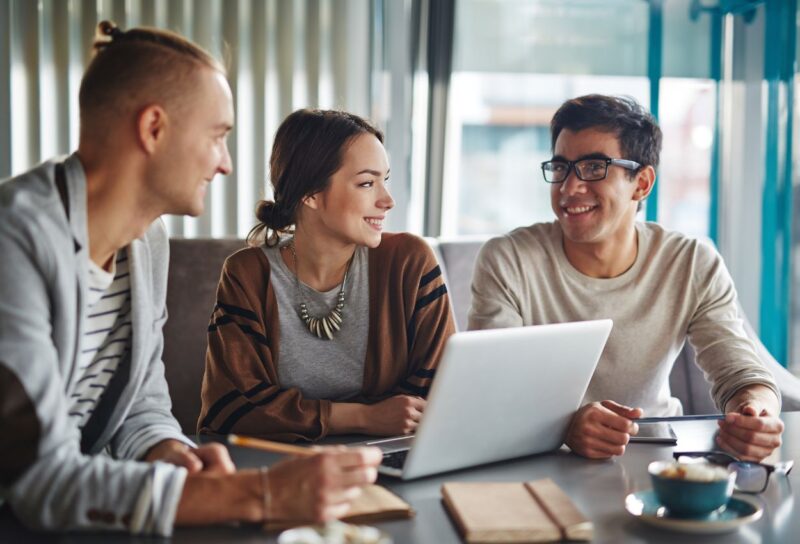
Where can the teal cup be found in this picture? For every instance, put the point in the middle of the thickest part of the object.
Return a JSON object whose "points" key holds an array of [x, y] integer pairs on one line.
{"points": [[690, 498]]}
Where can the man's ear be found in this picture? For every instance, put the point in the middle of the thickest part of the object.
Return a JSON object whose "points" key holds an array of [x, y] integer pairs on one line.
{"points": [[151, 127], [645, 181]]}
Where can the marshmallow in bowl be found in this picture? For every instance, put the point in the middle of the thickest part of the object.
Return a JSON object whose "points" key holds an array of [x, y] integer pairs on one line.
{"points": [[695, 472], [334, 532]]}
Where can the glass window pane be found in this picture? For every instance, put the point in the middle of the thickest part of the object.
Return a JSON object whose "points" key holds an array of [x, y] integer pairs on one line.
{"points": [[687, 38], [687, 121], [498, 135], [515, 62], [552, 36]]}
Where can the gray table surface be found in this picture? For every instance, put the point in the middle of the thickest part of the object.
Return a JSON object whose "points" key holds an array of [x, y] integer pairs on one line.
{"points": [[598, 488]]}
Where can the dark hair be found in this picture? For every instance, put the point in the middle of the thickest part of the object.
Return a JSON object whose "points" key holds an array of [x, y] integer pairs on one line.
{"points": [[308, 150], [636, 129], [137, 66]]}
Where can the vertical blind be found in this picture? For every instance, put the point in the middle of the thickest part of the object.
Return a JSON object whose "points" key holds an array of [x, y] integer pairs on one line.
{"points": [[281, 55]]}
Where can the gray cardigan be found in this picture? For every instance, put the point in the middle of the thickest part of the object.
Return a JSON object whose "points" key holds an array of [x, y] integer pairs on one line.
{"points": [[51, 474]]}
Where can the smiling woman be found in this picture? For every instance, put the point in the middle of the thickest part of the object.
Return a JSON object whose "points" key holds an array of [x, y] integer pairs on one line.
{"points": [[327, 325]]}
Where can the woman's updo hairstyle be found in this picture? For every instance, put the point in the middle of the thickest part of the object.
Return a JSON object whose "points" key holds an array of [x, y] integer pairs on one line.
{"points": [[308, 150]]}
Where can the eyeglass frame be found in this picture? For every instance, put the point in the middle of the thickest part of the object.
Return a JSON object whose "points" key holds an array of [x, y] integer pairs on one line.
{"points": [[784, 467], [627, 164]]}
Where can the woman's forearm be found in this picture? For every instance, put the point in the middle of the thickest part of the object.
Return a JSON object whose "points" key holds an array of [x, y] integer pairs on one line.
{"points": [[348, 417]]}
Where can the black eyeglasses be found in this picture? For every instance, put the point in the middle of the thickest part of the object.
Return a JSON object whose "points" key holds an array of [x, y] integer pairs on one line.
{"points": [[750, 477], [585, 169]]}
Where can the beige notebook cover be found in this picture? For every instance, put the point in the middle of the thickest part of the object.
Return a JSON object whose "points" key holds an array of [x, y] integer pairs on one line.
{"points": [[376, 503], [536, 511]]}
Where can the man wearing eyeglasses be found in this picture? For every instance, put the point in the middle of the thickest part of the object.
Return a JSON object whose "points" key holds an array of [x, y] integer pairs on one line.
{"points": [[661, 288]]}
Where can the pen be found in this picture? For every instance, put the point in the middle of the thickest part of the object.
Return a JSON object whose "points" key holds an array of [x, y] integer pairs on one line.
{"points": [[702, 417], [269, 445]]}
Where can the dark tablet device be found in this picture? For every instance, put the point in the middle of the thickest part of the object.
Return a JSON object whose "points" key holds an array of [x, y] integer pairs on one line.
{"points": [[655, 433]]}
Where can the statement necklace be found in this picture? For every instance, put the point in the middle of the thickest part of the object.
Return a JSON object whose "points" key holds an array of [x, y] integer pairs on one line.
{"points": [[326, 327]]}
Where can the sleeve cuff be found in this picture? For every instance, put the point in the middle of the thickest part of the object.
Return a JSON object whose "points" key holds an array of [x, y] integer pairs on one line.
{"points": [[136, 446], [158, 500], [723, 401], [324, 418]]}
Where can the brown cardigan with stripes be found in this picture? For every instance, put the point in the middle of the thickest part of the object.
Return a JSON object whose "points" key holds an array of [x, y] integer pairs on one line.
{"points": [[410, 320]]}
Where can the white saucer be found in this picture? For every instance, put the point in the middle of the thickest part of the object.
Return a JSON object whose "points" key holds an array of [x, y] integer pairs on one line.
{"points": [[739, 511]]}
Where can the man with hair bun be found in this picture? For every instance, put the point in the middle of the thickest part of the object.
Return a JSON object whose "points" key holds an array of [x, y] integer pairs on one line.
{"points": [[661, 288], [89, 442]]}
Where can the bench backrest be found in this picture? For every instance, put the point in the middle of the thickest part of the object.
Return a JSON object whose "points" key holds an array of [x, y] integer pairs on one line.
{"points": [[194, 272]]}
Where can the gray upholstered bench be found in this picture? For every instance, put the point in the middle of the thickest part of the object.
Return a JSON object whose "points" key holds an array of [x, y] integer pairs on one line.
{"points": [[194, 272]]}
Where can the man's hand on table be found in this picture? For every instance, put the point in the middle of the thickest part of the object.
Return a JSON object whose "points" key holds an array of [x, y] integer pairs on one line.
{"points": [[212, 458], [601, 430], [308, 489], [751, 429], [321, 488]]}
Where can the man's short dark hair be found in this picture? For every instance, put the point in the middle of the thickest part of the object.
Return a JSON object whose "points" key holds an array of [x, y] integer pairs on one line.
{"points": [[636, 129]]}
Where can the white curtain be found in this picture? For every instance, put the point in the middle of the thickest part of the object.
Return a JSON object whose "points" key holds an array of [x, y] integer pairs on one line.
{"points": [[281, 55]]}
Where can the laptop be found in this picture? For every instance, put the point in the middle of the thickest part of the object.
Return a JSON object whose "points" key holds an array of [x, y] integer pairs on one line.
{"points": [[499, 394]]}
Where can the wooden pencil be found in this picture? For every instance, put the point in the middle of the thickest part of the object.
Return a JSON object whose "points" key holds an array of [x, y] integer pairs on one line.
{"points": [[269, 445], [701, 417]]}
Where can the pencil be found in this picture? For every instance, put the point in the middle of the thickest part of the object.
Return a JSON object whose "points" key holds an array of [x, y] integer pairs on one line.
{"points": [[269, 445], [703, 417]]}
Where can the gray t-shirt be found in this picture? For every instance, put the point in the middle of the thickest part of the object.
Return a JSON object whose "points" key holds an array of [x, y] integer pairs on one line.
{"points": [[321, 369]]}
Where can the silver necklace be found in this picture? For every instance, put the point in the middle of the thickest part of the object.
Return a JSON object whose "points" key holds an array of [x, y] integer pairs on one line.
{"points": [[325, 327]]}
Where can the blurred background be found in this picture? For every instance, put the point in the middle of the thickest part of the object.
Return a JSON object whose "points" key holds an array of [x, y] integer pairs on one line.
{"points": [[464, 90]]}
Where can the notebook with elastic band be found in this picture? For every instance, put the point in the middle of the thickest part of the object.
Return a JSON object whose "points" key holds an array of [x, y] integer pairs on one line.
{"points": [[537, 511]]}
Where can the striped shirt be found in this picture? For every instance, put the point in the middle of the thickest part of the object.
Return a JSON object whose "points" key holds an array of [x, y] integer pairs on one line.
{"points": [[106, 338]]}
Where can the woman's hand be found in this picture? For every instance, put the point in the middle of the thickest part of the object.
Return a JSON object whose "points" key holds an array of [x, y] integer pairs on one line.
{"points": [[396, 415]]}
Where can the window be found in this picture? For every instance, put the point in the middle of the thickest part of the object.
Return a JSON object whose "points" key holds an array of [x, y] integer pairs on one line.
{"points": [[687, 122], [516, 61]]}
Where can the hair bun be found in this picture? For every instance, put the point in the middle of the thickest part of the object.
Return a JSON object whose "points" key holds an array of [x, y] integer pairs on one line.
{"points": [[109, 29], [273, 215]]}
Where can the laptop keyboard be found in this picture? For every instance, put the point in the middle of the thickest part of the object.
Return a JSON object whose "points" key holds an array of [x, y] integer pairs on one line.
{"points": [[395, 459]]}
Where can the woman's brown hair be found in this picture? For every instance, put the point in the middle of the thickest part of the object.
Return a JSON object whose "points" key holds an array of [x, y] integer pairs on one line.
{"points": [[308, 149]]}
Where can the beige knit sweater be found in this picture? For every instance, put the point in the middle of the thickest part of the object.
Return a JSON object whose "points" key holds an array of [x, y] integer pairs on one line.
{"points": [[677, 289]]}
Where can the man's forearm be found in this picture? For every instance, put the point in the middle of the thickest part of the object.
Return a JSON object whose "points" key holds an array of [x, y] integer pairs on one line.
{"points": [[212, 498], [163, 448]]}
